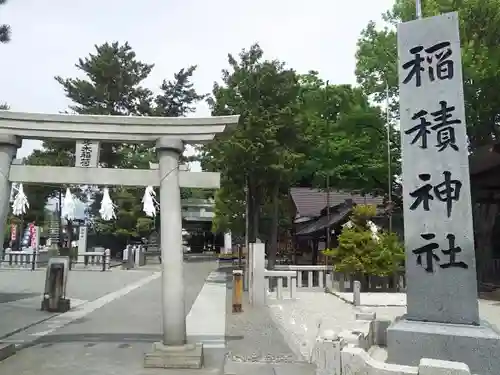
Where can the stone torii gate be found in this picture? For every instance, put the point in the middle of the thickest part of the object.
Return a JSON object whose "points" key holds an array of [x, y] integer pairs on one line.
{"points": [[169, 136]]}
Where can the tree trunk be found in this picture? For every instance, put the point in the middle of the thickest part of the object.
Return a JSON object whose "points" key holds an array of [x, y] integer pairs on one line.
{"points": [[484, 221], [315, 251], [253, 211], [273, 247]]}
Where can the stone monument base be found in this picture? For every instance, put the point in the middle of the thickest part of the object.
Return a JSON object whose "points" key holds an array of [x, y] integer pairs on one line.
{"points": [[477, 346], [189, 356]]}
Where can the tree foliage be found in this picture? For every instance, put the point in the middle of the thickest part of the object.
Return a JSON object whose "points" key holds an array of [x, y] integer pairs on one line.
{"points": [[346, 138], [292, 127], [360, 251], [5, 32], [112, 84], [259, 154], [479, 32]]}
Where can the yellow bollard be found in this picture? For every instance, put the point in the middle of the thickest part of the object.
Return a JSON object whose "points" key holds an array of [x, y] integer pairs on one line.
{"points": [[237, 290]]}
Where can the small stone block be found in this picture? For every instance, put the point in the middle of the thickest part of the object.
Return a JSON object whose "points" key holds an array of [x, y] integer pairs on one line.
{"points": [[189, 356], [6, 350], [365, 315], [429, 366]]}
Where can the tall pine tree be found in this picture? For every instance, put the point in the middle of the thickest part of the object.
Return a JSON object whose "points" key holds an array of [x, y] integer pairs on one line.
{"points": [[4, 29], [113, 85]]}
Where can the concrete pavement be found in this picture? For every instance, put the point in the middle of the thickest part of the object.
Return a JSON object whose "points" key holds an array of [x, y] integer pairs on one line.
{"points": [[107, 334], [21, 290], [313, 313], [118, 317]]}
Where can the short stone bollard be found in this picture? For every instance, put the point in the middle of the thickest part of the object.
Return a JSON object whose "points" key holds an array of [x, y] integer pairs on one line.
{"points": [[106, 260], [237, 291], [356, 293], [326, 353], [56, 279]]}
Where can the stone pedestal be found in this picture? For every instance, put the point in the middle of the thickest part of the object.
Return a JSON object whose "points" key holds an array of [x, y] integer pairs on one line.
{"points": [[477, 346], [189, 356]]}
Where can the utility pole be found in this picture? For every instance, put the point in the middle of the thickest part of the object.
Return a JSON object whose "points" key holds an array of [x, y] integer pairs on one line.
{"points": [[328, 211], [60, 244], [327, 245], [418, 8], [389, 169]]}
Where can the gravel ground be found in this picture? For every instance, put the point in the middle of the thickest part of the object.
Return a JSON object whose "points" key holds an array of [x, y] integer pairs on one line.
{"points": [[252, 336]]}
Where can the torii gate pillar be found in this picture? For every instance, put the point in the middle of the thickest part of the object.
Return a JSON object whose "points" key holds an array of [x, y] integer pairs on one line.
{"points": [[173, 314], [173, 351], [8, 149]]}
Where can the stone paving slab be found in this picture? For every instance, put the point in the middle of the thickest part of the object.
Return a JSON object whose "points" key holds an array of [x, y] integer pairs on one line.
{"points": [[375, 299], [91, 358], [252, 368], [252, 336], [21, 294], [312, 313]]}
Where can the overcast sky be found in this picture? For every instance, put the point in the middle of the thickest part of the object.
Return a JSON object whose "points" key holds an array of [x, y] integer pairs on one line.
{"points": [[49, 36]]}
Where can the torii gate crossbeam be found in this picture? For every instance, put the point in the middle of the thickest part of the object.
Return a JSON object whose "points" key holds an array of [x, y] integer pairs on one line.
{"points": [[169, 136]]}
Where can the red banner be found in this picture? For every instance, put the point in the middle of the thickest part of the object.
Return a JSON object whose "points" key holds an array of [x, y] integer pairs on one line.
{"points": [[33, 235], [13, 232]]}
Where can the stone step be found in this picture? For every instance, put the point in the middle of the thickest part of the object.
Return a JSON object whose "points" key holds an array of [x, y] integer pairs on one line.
{"points": [[378, 353], [263, 368]]}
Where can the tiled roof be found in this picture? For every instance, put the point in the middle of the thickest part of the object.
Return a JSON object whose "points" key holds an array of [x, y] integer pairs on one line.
{"points": [[341, 212], [310, 202]]}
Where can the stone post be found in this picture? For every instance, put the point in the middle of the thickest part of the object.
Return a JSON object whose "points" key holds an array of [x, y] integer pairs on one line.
{"points": [[259, 291], [8, 148], [82, 243], [173, 351], [174, 322], [228, 243], [356, 293]]}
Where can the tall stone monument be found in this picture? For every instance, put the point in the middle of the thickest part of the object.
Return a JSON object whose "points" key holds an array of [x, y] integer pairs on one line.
{"points": [[442, 320]]}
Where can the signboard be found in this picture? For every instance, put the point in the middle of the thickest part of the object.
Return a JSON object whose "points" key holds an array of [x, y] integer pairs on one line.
{"points": [[82, 243], [87, 153], [439, 239]]}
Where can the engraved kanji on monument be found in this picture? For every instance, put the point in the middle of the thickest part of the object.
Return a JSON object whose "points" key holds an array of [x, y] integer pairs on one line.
{"points": [[439, 239]]}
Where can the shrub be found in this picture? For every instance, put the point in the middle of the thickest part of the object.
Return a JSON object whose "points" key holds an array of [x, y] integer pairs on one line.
{"points": [[360, 250]]}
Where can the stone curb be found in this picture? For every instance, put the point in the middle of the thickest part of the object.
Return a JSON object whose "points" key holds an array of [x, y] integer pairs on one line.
{"points": [[335, 294], [18, 330], [7, 350]]}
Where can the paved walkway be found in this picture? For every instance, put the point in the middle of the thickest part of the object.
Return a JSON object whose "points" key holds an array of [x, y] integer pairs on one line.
{"points": [[314, 312], [116, 316], [117, 322], [21, 290]]}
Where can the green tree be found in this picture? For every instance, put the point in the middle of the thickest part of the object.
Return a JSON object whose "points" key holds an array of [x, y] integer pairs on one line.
{"points": [[4, 29], [360, 251], [260, 153], [479, 32], [345, 138], [113, 85]]}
